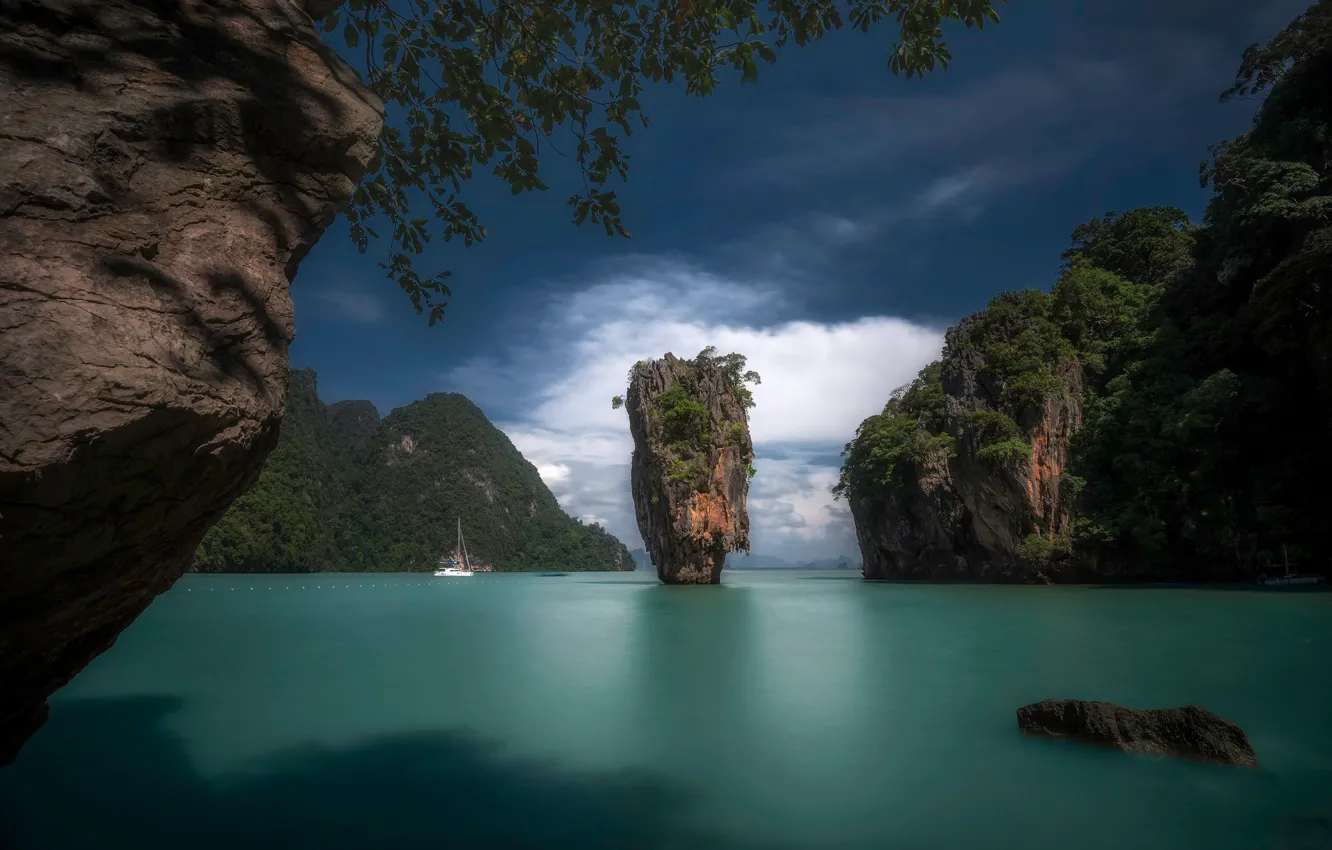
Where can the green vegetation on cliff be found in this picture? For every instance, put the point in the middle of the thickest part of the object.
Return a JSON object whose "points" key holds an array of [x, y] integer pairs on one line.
{"points": [[1204, 354], [898, 445], [343, 491], [682, 422]]}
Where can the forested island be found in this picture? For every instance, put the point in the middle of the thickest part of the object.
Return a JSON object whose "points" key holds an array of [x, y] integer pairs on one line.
{"points": [[1163, 412], [346, 491]]}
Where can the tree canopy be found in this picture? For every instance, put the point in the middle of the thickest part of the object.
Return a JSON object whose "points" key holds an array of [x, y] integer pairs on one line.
{"points": [[1205, 352], [495, 84]]}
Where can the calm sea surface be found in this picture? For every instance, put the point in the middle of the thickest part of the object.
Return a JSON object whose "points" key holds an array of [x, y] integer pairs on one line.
{"points": [[800, 710]]}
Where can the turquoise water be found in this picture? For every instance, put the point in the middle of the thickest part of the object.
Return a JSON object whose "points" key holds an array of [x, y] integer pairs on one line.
{"points": [[785, 710]]}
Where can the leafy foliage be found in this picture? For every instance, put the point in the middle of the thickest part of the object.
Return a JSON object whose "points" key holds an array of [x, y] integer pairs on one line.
{"points": [[343, 491], [684, 470], [891, 449], [1040, 549], [733, 368], [1020, 343], [685, 419], [998, 438], [1149, 246], [1011, 450], [990, 426], [1207, 353], [1304, 40], [735, 433], [472, 85], [1211, 448]]}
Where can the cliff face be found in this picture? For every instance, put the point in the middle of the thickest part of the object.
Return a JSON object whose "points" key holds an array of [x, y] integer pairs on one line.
{"points": [[691, 467], [345, 491], [968, 516], [164, 167]]}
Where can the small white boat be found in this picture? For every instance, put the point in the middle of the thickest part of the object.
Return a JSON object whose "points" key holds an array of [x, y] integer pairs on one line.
{"points": [[1290, 578], [455, 566]]}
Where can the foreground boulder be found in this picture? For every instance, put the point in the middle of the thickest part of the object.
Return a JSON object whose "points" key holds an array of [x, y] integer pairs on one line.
{"points": [[1190, 732], [164, 168], [692, 462]]}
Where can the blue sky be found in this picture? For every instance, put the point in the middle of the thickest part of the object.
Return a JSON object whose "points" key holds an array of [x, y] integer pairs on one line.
{"points": [[828, 222]]}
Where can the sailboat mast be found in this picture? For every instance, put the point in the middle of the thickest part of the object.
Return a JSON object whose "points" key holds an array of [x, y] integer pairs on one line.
{"points": [[462, 545]]}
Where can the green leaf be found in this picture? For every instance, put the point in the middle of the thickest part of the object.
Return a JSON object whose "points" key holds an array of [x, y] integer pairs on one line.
{"points": [[471, 80]]}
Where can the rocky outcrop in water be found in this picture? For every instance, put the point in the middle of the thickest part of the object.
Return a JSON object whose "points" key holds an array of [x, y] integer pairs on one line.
{"points": [[164, 168], [692, 462], [1190, 732], [970, 514]]}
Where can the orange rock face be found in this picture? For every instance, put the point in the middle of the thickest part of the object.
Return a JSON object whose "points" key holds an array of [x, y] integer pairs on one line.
{"points": [[1050, 437]]}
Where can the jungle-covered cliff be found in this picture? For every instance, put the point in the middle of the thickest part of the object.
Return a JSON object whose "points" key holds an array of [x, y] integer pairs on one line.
{"points": [[346, 491], [1162, 412]]}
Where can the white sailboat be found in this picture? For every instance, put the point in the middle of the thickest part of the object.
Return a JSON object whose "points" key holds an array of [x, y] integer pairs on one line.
{"points": [[453, 566], [1290, 578]]}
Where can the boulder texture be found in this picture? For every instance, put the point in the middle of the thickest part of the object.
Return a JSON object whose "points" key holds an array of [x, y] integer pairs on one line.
{"points": [[1190, 732], [964, 516], [691, 466], [164, 167]]}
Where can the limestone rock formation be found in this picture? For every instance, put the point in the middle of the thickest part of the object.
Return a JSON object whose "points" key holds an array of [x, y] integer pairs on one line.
{"points": [[966, 516], [1190, 732], [164, 168], [691, 466]]}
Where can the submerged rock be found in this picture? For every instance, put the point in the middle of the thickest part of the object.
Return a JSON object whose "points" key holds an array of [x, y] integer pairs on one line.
{"points": [[1190, 732], [164, 168], [692, 462]]}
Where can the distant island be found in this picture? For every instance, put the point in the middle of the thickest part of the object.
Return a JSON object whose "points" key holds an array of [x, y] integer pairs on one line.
{"points": [[346, 491]]}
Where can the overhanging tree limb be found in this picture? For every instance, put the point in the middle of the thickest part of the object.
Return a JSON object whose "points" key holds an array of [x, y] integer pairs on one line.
{"points": [[482, 83]]}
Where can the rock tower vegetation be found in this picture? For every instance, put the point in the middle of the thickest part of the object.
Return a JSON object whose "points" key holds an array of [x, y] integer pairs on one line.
{"points": [[1162, 413], [692, 463]]}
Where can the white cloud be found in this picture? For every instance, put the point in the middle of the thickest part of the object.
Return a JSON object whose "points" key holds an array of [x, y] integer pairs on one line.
{"points": [[351, 304], [554, 474], [964, 192], [820, 380]]}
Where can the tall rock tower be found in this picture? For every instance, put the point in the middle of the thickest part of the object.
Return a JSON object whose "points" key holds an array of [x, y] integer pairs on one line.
{"points": [[692, 462]]}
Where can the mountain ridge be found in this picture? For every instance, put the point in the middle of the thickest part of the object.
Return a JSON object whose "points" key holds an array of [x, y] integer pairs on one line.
{"points": [[346, 490]]}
